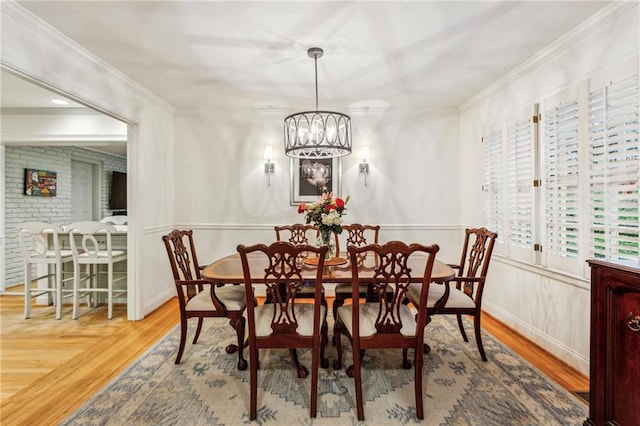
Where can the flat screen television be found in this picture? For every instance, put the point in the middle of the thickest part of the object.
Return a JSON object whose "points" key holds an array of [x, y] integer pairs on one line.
{"points": [[118, 193]]}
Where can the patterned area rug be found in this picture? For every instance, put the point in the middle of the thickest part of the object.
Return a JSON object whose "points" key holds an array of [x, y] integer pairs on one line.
{"points": [[207, 389]]}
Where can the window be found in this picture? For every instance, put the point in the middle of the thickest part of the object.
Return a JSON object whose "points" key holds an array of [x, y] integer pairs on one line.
{"points": [[614, 170], [494, 182], [587, 156], [519, 185], [561, 182]]}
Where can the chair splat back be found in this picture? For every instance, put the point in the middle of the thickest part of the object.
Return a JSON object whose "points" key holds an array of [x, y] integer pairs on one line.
{"points": [[184, 262], [477, 262], [91, 246], [356, 235], [283, 282], [391, 276], [298, 233], [183, 259]]}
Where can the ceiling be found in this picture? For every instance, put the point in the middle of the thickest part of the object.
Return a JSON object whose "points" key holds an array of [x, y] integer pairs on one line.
{"points": [[210, 54], [22, 97], [19, 93]]}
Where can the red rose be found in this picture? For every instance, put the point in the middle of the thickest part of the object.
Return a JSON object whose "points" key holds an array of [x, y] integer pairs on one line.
{"points": [[302, 207], [330, 207], [339, 203]]}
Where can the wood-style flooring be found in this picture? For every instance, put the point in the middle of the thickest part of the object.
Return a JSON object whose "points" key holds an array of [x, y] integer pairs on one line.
{"points": [[50, 367]]}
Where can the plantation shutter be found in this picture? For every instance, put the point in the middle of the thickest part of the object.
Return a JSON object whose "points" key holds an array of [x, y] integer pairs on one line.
{"points": [[494, 183], [561, 248], [615, 170], [519, 186]]}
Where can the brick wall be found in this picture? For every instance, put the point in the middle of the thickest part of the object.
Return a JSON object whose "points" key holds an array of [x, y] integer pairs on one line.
{"points": [[22, 208]]}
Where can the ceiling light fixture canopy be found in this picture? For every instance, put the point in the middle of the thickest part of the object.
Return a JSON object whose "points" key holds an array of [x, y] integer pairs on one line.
{"points": [[317, 134]]}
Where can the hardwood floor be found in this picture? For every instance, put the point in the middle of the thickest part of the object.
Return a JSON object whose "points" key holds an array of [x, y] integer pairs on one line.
{"points": [[50, 367]]}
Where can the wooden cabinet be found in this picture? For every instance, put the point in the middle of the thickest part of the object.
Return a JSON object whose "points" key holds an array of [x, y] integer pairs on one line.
{"points": [[614, 394]]}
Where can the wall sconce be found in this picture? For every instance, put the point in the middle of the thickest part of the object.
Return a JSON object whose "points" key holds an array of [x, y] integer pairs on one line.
{"points": [[269, 166], [364, 166]]}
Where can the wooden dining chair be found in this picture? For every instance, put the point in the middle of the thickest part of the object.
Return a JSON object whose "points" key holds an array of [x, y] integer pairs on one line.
{"points": [[301, 234], [200, 299], [466, 297], [387, 323], [297, 234], [356, 235], [285, 322]]}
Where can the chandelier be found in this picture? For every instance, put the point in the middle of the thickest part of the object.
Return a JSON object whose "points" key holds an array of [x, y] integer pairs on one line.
{"points": [[317, 134]]}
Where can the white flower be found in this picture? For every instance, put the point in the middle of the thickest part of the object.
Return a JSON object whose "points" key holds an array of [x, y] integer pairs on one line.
{"points": [[332, 218]]}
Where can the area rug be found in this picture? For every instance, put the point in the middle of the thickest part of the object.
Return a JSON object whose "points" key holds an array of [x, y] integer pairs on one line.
{"points": [[207, 389]]}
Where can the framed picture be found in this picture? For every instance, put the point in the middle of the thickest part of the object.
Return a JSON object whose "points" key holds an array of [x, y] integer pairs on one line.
{"points": [[40, 183], [310, 177]]}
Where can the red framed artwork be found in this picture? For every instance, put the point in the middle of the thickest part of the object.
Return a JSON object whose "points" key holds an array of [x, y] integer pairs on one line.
{"points": [[40, 183]]}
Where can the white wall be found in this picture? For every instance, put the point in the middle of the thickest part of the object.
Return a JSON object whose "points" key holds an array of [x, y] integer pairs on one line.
{"points": [[222, 193], [549, 308], [33, 49]]}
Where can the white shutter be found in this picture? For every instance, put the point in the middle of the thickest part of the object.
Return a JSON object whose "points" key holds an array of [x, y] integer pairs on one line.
{"points": [[615, 170], [560, 181], [493, 183], [519, 187]]}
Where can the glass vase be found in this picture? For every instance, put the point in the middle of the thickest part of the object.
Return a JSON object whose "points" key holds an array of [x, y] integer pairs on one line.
{"points": [[326, 239]]}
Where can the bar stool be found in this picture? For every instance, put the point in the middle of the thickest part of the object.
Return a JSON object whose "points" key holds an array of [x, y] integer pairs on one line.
{"points": [[92, 255], [33, 238]]}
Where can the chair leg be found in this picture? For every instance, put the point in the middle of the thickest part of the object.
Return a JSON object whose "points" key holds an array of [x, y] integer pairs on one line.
{"points": [[357, 374], [314, 377], [253, 381], [337, 364], [58, 290], [476, 325], [464, 335], [338, 301], [92, 296], [109, 290], [238, 326], [324, 339], [406, 364], [418, 383], [183, 338], [27, 291], [76, 290], [198, 329], [302, 370]]}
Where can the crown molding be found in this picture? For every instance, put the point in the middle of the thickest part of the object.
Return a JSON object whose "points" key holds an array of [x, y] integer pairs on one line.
{"points": [[599, 19], [49, 111]]}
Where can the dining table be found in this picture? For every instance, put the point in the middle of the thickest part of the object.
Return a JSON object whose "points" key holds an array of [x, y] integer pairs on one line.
{"points": [[228, 270]]}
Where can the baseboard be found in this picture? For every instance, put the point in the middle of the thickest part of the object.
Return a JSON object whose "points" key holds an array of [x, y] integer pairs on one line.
{"points": [[549, 344]]}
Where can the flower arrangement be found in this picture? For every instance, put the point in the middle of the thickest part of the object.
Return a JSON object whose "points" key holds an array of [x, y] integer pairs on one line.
{"points": [[326, 215]]}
